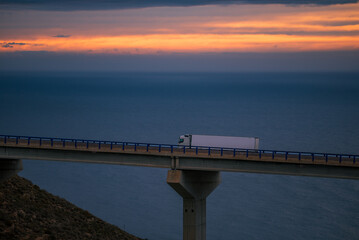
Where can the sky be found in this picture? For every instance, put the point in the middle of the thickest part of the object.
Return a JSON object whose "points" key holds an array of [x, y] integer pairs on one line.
{"points": [[163, 35]]}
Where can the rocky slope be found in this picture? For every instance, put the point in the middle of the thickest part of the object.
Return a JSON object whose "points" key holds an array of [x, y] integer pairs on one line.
{"points": [[27, 212]]}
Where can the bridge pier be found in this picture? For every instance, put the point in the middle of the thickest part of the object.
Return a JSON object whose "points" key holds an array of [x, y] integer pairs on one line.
{"points": [[194, 187], [9, 167]]}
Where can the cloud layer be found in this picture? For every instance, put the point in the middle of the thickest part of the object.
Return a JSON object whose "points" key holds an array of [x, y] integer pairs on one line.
{"points": [[200, 29], [72, 5], [251, 37]]}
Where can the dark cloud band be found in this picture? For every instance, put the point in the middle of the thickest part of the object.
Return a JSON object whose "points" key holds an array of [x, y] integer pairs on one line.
{"points": [[72, 5], [62, 36], [11, 44]]}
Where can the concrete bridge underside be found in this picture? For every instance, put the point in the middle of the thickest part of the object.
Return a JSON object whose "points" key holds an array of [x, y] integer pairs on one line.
{"points": [[201, 162]]}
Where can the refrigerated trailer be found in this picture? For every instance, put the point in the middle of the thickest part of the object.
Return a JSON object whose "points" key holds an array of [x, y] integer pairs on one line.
{"points": [[219, 141]]}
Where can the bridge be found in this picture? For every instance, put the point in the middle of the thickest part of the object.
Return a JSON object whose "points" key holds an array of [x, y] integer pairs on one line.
{"points": [[194, 172]]}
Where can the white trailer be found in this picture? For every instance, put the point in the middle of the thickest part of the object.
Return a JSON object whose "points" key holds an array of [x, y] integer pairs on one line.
{"points": [[218, 141]]}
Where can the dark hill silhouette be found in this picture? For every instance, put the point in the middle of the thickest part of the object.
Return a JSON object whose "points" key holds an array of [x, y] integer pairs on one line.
{"points": [[27, 212]]}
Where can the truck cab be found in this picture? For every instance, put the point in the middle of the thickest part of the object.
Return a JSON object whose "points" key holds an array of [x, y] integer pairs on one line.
{"points": [[184, 140]]}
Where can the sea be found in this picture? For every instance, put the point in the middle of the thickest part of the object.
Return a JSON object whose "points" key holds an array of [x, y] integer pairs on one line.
{"points": [[316, 112]]}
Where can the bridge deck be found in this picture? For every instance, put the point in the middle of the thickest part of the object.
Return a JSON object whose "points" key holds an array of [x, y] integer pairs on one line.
{"points": [[172, 156]]}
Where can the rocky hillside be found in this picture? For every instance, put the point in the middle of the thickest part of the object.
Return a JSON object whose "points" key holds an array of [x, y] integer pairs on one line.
{"points": [[27, 212]]}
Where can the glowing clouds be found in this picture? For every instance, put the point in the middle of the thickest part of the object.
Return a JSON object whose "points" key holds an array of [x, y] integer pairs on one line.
{"points": [[237, 28]]}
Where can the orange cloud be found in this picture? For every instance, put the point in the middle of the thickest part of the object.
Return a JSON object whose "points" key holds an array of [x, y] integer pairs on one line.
{"points": [[299, 28], [144, 44]]}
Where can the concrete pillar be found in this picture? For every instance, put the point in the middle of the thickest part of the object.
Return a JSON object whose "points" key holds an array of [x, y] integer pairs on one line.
{"points": [[194, 187], [9, 167]]}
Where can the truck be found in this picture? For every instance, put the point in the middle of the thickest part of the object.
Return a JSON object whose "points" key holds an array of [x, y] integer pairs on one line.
{"points": [[190, 140]]}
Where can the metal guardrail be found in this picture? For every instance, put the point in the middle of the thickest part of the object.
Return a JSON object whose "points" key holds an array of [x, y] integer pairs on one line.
{"points": [[172, 147]]}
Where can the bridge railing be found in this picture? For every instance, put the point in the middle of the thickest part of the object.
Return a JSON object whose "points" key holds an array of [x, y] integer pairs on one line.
{"points": [[184, 149]]}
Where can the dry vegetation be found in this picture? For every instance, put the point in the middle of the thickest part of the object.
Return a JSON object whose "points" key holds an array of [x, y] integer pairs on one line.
{"points": [[27, 212]]}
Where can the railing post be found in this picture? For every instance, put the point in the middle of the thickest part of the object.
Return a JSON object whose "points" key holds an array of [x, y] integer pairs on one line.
{"points": [[99, 145], [5, 139], [286, 156], [184, 149], [75, 143], [111, 146], [63, 143], [52, 142], [209, 150], [17, 140], [272, 154], [234, 152], [196, 150], [260, 154], [354, 159], [123, 146], [159, 148], [147, 147], [312, 157], [299, 156], [340, 158], [326, 157], [40, 141], [28, 140], [87, 144], [171, 149], [246, 153], [221, 151]]}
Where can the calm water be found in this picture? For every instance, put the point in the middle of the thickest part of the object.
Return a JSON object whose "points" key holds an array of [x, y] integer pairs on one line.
{"points": [[287, 111]]}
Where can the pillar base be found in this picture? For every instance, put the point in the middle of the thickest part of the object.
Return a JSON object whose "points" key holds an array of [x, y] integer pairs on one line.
{"points": [[194, 187], [9, 167]]}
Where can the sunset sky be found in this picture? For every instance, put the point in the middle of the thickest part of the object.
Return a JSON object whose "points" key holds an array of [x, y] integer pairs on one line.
{"points": [[237, 36]]}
